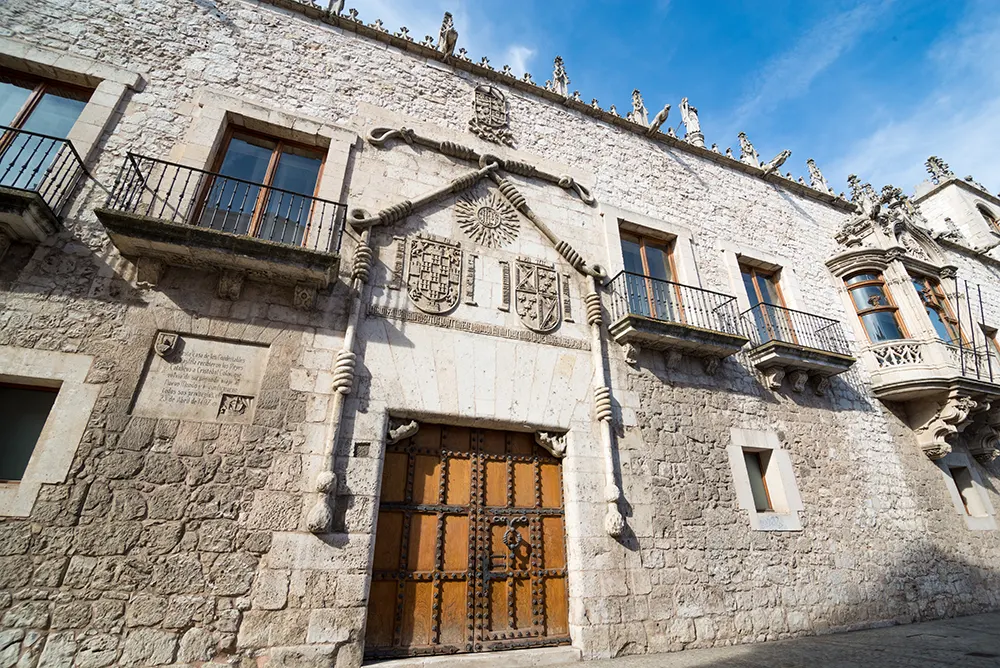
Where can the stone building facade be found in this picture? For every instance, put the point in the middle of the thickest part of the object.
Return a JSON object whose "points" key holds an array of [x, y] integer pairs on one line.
{"points": [[514, 372]]}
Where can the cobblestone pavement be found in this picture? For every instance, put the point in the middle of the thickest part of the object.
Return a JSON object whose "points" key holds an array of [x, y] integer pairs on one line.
{"points": [[970, 642]]}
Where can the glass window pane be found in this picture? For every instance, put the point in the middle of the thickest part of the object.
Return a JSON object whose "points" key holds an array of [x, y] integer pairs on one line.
{"points": [[755, 471], [658, 259], [23, 412], [940, 328], [749, 286], [632, 255], [287, 215], [12, 98], [54, 115], [768, 289], [860, 278], [882, 326], [230, 204], [868, 296]]}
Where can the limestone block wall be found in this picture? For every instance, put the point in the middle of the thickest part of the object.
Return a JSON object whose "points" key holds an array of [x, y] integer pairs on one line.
{"points": [[176, 541]]}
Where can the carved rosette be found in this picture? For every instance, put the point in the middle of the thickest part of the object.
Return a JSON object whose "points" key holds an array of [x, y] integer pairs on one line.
{"points": [[489, 220], [490, 116], [536, 294], [433, 279]]}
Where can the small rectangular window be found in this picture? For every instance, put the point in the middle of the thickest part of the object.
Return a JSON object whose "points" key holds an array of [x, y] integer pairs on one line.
{"points": [[23, 412], [970, 497], [756, 462]]}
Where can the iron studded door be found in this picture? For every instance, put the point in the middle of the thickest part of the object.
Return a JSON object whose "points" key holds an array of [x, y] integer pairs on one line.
{"points": [[469, 550]]}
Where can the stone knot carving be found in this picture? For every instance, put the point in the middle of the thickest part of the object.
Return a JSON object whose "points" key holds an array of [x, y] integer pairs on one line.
{"points": [[938, 169], [748, 154], [553, 442], [490, 116], [343, 372], [447, 36], [362, 266]]}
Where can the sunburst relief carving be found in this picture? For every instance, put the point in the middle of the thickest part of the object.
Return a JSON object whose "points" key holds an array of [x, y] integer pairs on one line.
{"points": [[488, 220]]}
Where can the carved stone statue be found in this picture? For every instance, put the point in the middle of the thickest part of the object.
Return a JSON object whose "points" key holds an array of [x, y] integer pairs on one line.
{"points": [[938, 169], [864, 197], [560, 81], [638, 114], [777, 161], [689, 116], [748, 154], [336, 7], [816, 179], [448, 36], [659, 120]]}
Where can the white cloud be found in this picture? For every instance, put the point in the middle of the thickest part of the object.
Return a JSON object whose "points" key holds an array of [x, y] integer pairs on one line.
{"points": [[518, 57], [789, 74], [958, 119]]}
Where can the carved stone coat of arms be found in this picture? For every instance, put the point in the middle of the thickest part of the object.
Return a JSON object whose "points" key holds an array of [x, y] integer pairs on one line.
{"points": [[536, 293], [433, 279], [489, 116]]}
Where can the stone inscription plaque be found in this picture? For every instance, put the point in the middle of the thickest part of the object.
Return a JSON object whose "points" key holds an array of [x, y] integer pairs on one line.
{"points": [[201, 379]]}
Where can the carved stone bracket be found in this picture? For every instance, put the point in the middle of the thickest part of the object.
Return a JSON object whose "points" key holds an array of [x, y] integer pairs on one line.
{"points": [[984, 443], [673, 358], [148, 271], [230, 284], [553, 442], [934, 427], [798, 378], [631, 353], [400, 429], [821, 385], [773, 377], [711, 365]]}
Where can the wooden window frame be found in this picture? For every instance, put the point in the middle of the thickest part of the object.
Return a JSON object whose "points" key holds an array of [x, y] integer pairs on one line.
{"points": [[763, 478], [43, 85], [667, 245], [890, 307], [774, 276], [260, 206], [989, 217], [934, 296]]}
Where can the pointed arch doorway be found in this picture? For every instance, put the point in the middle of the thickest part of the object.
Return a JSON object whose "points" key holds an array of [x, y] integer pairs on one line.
{"points": [[470, 546]]}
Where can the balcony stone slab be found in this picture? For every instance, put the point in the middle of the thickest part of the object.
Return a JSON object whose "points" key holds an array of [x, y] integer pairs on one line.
{"points": [[24, 216], [154, 243], [645, 332], [776, 359]]}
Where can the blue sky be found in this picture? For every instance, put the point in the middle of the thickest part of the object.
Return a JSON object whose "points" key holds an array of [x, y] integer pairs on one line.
{"points": [[871, 87]]}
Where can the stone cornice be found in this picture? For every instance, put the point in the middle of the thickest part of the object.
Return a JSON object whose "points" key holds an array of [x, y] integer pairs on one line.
{"points": [[986, 195], [458, 63]]}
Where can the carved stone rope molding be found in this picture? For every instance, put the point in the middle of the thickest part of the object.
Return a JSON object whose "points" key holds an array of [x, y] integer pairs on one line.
{"points": [[320, 518], [380, 136]]}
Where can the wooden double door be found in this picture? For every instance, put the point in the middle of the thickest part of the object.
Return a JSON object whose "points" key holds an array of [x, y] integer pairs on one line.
{"points": [[470, 552]]}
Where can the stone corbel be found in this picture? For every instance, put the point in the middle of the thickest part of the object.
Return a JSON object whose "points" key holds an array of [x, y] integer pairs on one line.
{"points": [[400, 429], [230, 284], [984, 444], [673, 359], [799, 378], [711, 365], [773, 377], [631, 355], [553, 442], [821, 385], [6, 239], [934, 424], [148, 271]]}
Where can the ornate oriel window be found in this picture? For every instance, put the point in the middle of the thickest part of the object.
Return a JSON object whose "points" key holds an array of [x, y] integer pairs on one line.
{"points": [[875, 308], [938, 309], [650, 274]]}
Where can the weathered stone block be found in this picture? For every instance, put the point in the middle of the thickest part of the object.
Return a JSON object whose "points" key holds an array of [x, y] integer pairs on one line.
{"points": [[277, 511], [270, 590], [197, 644], [178, 574], [232, 574], [145, 610], [149, 647]]}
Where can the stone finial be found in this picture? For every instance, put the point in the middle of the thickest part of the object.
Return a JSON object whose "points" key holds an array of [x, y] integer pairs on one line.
{"points": [[352, 14], [336, 7], [485, 62], [447, 36], [560, 80], [613, 111], [938, 169], [638, 115], [971, 181], [576, 96], [378, 25], [671, 133], [507, 71], [527, 78], [776, 162], [428, 41], [748, 154], [404, 32], [692, 126], [729, 152], [816, 179], [864, 197], [715, 148], [464, 55], [594, 103]]}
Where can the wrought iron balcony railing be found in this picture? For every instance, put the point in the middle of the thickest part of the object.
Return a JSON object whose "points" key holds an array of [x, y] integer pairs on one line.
{"points": [[188, 196], [639, 295], [765, 323], [46, 165], [980, 363]]}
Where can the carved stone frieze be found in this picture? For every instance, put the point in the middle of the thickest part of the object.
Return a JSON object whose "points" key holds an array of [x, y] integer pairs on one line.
{"points": [[489, 220], [553, 442], [536, 295], [490, 116], [434, 274]]}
